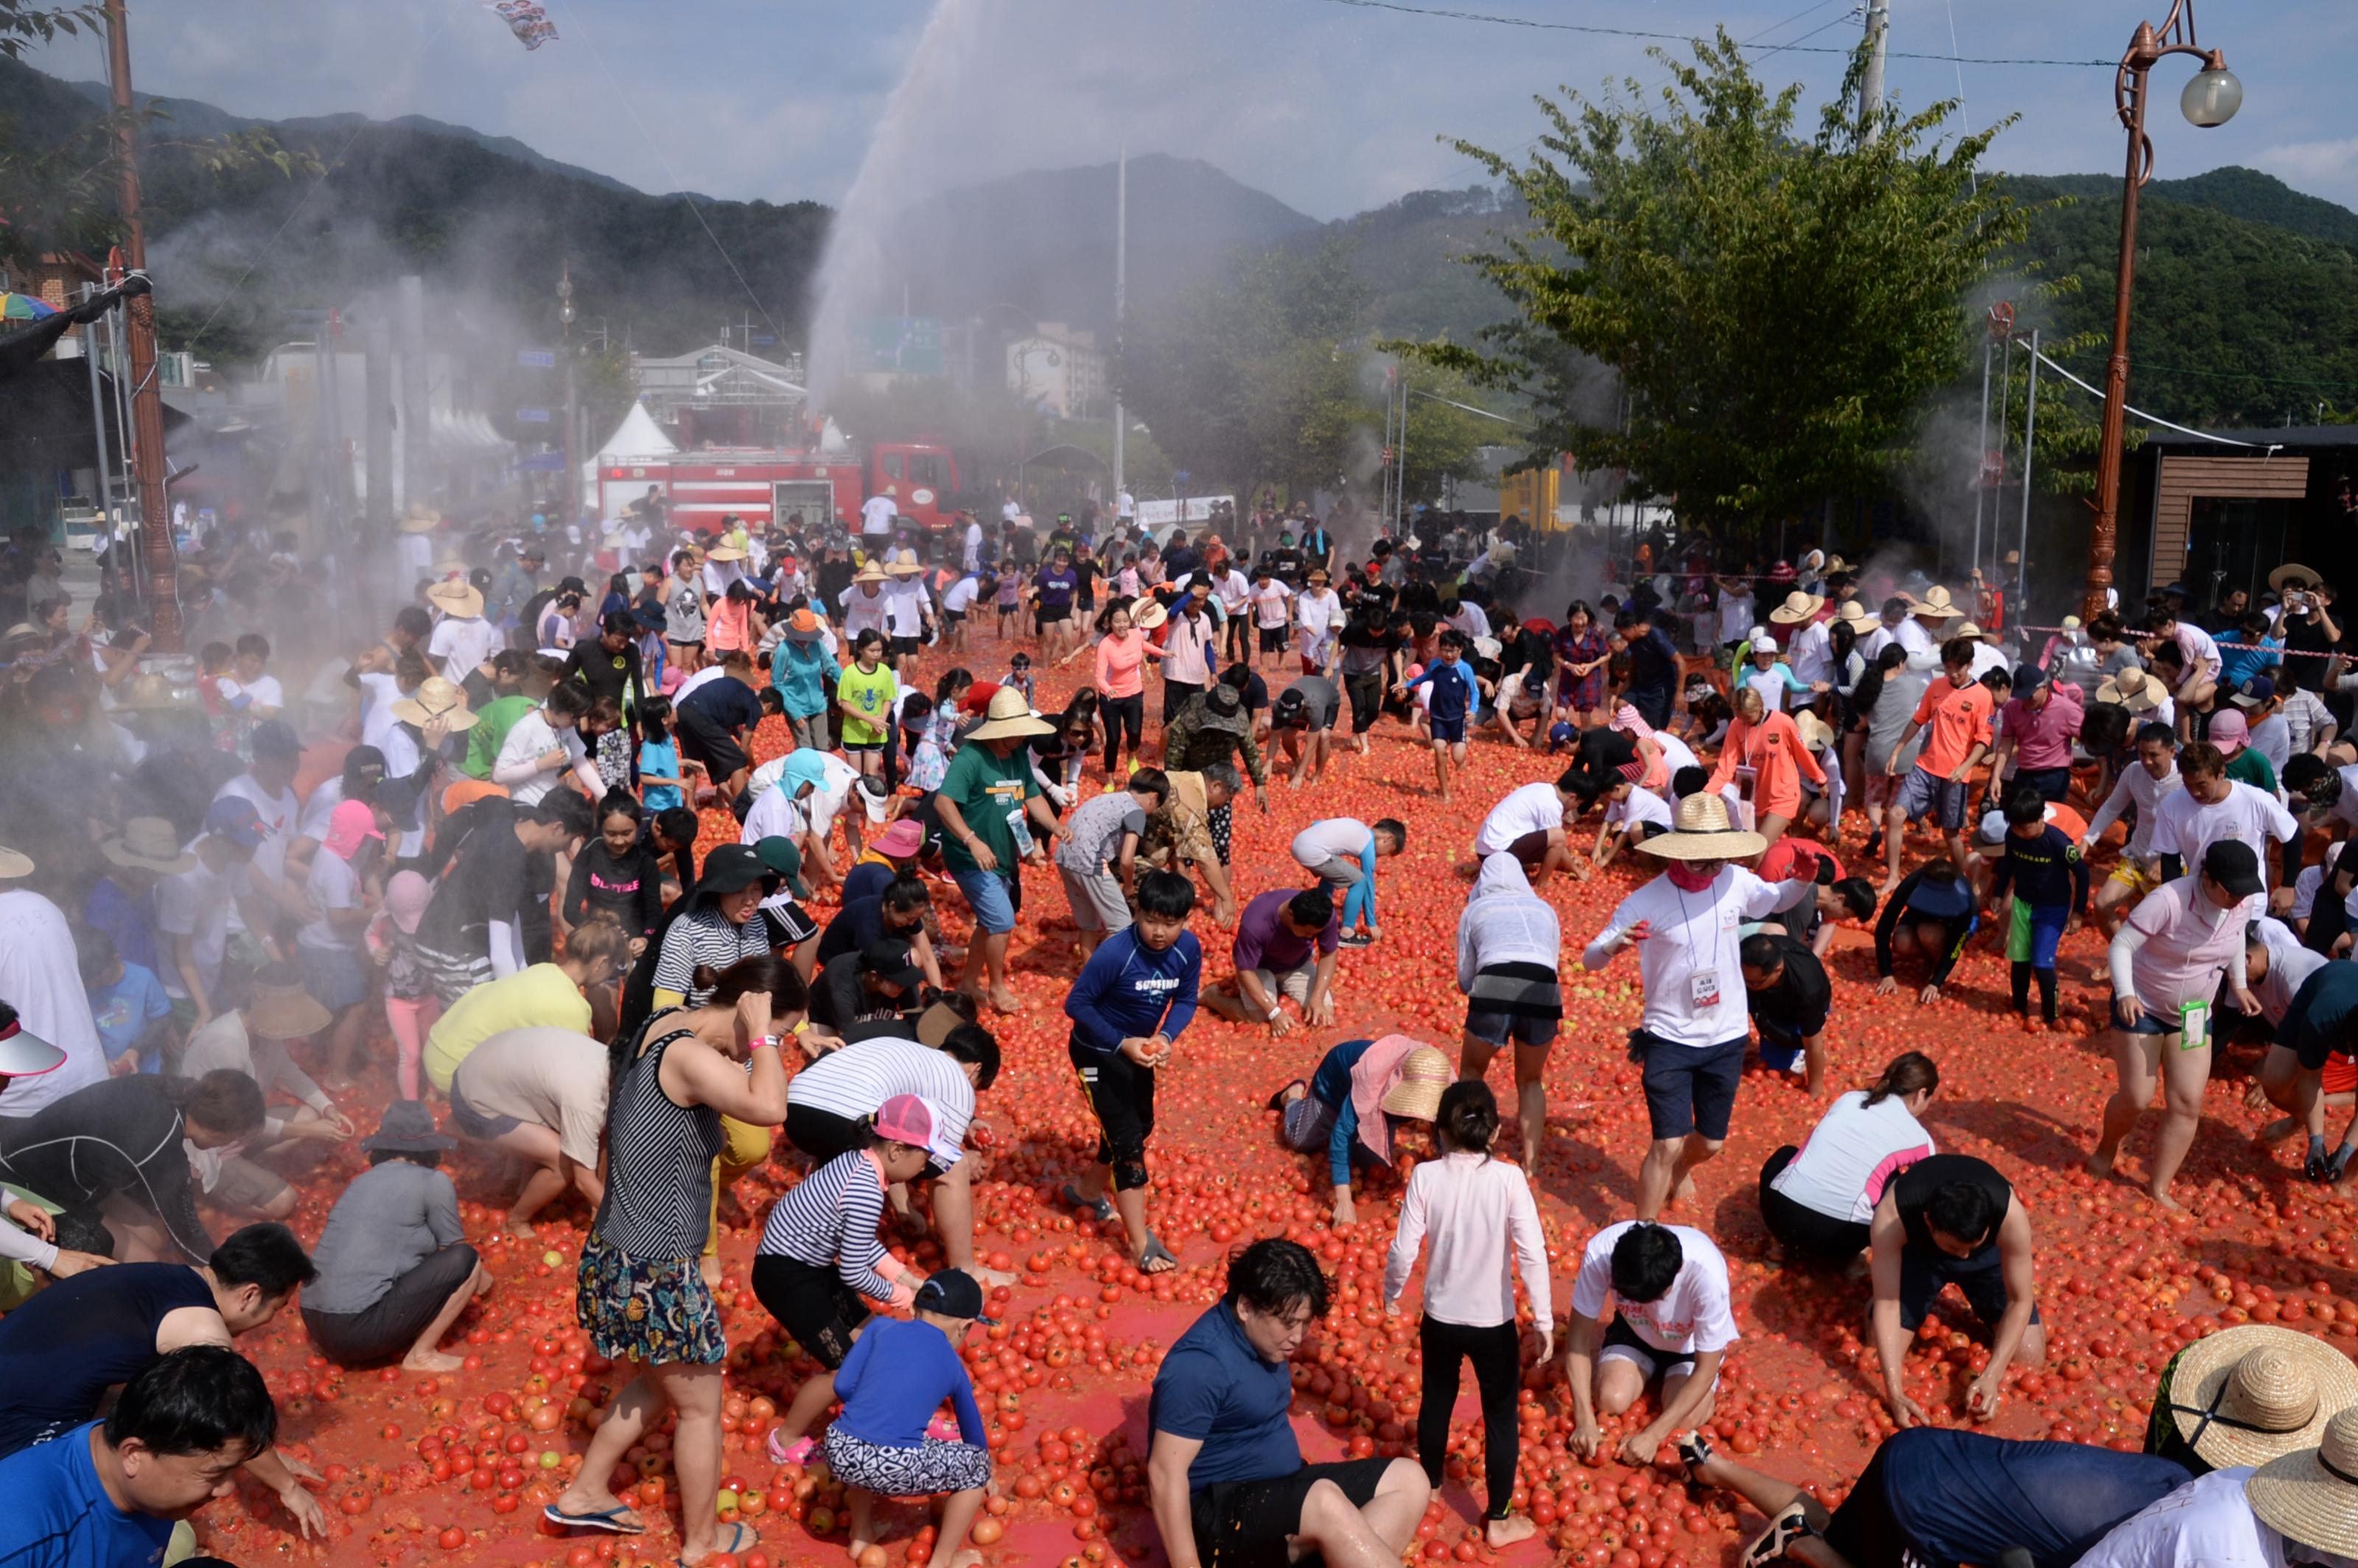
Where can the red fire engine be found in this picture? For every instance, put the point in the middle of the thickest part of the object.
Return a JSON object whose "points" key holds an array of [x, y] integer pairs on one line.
{"points": [[764, 485]]}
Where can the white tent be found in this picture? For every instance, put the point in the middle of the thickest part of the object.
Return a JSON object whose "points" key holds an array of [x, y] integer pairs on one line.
{"points": [[637, 436]]}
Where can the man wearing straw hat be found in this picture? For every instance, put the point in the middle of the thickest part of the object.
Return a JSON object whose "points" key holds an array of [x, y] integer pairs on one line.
{"points": [[462, 639], [1954, 714], [1691, 1040], [989, 788]]}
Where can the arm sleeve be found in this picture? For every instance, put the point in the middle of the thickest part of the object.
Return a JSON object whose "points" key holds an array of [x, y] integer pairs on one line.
{"points": [[2003, 877], [1467, 955], [23, 1247], [859, 1252], [2110, 812], [1339, 1142], [1808, 762], [577, 891], [1407, 1241], [2121, 958], [521, 770], [1889, 922], [507, 949]]}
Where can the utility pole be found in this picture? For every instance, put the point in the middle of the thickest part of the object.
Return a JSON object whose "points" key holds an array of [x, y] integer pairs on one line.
{"points": [[1120, 304], [571, 488], [1870, 86], [146, 396]]}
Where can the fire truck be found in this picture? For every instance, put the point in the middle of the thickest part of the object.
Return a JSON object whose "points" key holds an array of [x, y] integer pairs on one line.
{"points": [[766, 485]]}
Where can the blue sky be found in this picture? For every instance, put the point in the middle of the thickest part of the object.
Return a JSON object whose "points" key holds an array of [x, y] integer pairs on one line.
{"points": [[1330, 107]]}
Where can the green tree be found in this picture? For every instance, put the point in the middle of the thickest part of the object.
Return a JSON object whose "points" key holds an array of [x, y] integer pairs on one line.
{"points": [[1254, 379], [1779, 309], [1446, 434]]}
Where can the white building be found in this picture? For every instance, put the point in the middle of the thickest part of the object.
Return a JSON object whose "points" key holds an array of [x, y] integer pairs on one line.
{"points": [[1060, 368]]}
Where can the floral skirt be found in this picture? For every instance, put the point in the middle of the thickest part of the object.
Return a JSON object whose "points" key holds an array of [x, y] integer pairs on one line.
{"points": [[650, 1310]]}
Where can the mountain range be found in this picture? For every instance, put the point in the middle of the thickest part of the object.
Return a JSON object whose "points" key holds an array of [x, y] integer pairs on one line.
{"points": [[2247, 303]]}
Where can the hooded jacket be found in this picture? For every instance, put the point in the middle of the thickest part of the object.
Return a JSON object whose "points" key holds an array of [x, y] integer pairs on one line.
{"points": [[1505, 922]]}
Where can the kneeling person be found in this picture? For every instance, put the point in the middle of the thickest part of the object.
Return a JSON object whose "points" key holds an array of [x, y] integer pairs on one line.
{"points": [[1671, 1321]]}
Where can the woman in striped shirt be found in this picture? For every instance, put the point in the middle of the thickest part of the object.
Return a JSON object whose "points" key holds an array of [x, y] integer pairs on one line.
{"points": [[640, 1292]]}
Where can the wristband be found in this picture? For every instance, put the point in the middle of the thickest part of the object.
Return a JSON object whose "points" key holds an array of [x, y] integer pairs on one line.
{"points": [[771, 1040]]}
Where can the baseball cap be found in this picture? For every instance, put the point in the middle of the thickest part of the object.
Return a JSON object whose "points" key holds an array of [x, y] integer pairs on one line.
{"points": [[2253, 692], [908, 1118], [275, 737], [890, 962], [2228, 728], [2028, 679], [953, 1292], [1763, 643], [783, 856], [900, 841], [233, 817], [2234, 865]]}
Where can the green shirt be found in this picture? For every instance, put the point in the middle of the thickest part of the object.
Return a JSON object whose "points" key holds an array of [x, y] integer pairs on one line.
{"points": [[493, 723], [988, 791], [868, 693], [2248, 766]]}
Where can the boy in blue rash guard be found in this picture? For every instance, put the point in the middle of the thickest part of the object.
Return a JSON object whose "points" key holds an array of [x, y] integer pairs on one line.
{"points": [[1134, 996], [1455, 695], [2049, 880], [1931, 913]]}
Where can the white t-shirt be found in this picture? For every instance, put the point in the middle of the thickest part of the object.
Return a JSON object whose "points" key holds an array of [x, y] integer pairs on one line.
{"points": [[1735, 616], [1677, 755], [531, 738], [1235, 590], [1270, 610], [261, 692], [2185, 827], [379, 692], [1691, 1317], [2206, 1523], [1642, 805], [197, 903], [835, 787], [2201, 652], [321, 808], [773, 815], [1317, 612], [958, 598], [1852, 1155], [1336, 838], [2272, 738], [1695, 984], [463, 644], [282, 814], [876, 515], [331, 885], [1811, 652], [1534, 808]]}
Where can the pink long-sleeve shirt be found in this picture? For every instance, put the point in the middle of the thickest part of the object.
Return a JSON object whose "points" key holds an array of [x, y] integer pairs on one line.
{"points": [[1477, 1210], [1122, 664]]}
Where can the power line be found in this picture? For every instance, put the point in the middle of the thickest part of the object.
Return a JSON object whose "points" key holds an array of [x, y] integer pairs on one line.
{"points": [[1433, 11]]}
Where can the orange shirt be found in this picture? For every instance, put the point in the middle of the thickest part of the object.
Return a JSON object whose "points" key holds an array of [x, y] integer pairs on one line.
{"points": [[1773, 750], [1959, 719]]}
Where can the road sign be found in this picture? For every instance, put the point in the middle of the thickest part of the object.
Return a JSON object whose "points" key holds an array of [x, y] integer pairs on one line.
{"points": [[532, 416], [897, 345], [536, 358], [764, 341]]}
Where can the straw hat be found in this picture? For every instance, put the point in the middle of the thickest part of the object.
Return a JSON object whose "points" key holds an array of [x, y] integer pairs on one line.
{"points": [[1835, 562], [1799, 606], [1815, 732], [1148, 613], [871, 572], [2310, 1496], [435, 698], [1935, 603], [1857, 617], [151, 844], [14, 865], [905, 563], [2254, 1393], [724, 553], [2289, 571], [420, 519], [1424, 1072], [1969, 629], [280, 1009], [457, 597], [2133, 689], [1703, 833], [1009, 718], [149, 693]]}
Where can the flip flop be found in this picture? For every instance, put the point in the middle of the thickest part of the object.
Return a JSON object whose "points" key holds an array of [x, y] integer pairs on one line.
{"points": [[795, 1452], [1102, 1208], [1277, 1100], [609, 1520], [1789, 1526], [742, 1538], [1694, 1452], [1155, 1252]]}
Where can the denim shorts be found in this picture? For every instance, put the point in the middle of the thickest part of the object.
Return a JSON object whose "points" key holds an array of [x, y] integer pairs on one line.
{"points": [[986, 894]]}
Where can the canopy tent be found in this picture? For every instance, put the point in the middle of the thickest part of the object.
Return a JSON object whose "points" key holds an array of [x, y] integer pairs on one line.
{"points": [[637, 436]]}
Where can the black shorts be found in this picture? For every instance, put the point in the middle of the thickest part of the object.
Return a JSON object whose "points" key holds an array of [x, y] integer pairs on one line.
{"points": [[811, 1303], [1244, 1524], [1689, 1089], [702, 741], [1802, 1230], [1654, 1361], [954, 617], [904, 647], [821, 1134], [2323, 1016], [1924, 1273], [1055, 617], [387, 1327], [1272, 639]]}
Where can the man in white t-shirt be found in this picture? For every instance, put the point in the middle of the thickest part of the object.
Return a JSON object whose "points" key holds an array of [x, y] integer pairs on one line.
{"points": [[1631, 814], [1530, 824], [1686, 924], [2209, 806], [544, 745], [877, 515], [462, 639], [269, 784], [1668, 1286]]}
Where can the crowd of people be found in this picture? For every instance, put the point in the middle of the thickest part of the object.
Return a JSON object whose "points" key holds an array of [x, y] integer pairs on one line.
{"points": [[475, 859]]}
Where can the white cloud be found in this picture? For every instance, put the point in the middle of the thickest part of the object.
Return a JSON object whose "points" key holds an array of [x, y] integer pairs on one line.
{"points": [[2328, 169]]}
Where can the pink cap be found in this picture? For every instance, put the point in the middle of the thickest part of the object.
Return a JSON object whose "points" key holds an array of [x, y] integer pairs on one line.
{"points": [[2229, 729], [900, 841], [405, 898], [907, 1118], [352, 824]]}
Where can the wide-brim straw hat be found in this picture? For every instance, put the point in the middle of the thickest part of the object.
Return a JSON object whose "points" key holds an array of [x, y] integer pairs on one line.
{"points": [[905, 563], [1799, 606], [1703, 833], [2133, 689], [2289, 571], [1815, 732], [2311, 1496], [1009, 718], [1425, 1072], [1936, 603], [1857, 617], [420, 519], [2255, 1393], [1969, 629], [1146, 614], [281, 1010], [458, 597], [150, 843], [13, 864], [436, 699], [724, 553], [871, 572]]}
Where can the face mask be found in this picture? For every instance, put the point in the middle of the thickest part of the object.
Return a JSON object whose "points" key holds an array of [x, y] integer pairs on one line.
{"points": [[1693, 876]]}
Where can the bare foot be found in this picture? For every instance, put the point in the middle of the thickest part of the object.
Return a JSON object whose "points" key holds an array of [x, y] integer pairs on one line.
{"points": [[431, 1361], [1507, 1531], [969, 1558], [522, 1229], [2100, 1163], [1005, 1000], [1685, 1193], [991, 1278], [856, 1546], [2166, 1201]]}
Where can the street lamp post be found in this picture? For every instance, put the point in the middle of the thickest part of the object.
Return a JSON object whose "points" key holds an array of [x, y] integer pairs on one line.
{"points": [[2210, 98]]}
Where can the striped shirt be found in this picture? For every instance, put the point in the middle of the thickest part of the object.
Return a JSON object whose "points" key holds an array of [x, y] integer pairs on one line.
{"points": [[659, 1157], [705, 936], [830, 1222], [853, 1082]]}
